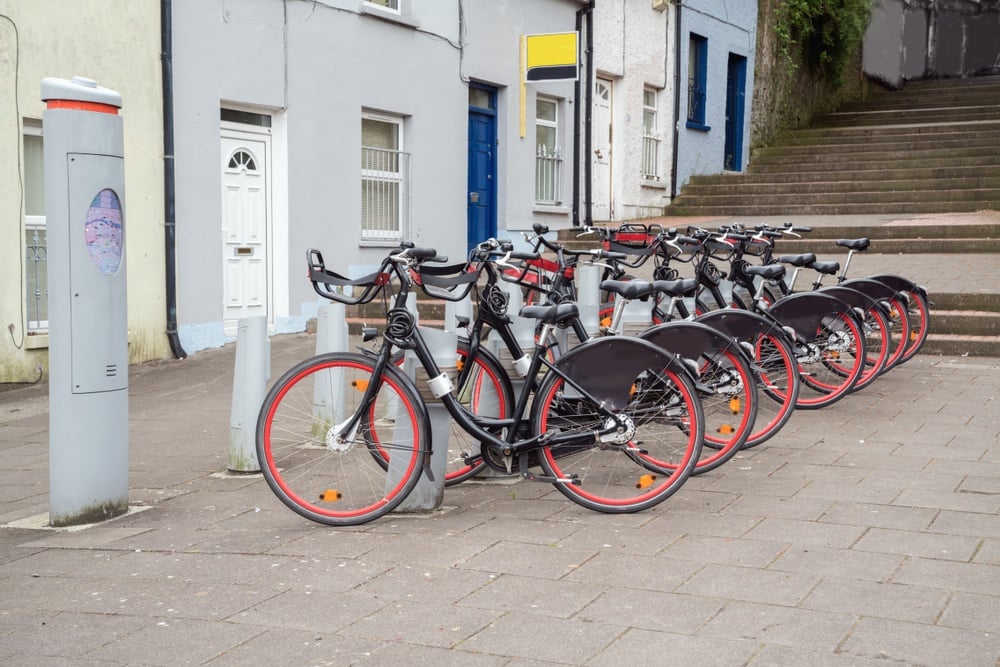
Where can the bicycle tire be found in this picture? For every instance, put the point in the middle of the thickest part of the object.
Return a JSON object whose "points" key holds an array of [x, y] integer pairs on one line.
{"points": [[630, 476], [832, 362], [726, 383], [315, 474], [779, 381], [919, 314], [486, 391]]}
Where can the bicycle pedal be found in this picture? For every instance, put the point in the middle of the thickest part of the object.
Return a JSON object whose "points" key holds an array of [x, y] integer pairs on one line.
{"points": [[532, 477]]}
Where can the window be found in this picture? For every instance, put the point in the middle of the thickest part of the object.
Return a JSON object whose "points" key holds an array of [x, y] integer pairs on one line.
{"points": [[650, 136], [35, 242], [697, 74], [392, 5], [384, 168], [548, 156]]}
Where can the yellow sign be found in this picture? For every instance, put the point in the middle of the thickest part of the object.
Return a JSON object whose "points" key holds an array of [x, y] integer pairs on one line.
{"points": [[551, 57]]}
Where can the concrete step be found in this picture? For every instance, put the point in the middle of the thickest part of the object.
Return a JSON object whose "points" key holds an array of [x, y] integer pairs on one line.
{"points": [[830, 208], [953, 126], [959, 345], [873, 143], [879, 157], [966, 322], [897, 245], [903, 173], [848, 197], [873, 164], [738, 187], [906, 116]]}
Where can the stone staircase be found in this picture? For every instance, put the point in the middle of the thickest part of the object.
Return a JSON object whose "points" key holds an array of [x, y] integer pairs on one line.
{"points": [[965, 313], [958, 262], [933, 146]]}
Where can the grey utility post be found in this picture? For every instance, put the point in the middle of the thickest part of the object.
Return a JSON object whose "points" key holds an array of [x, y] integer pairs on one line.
{"points": [[88, 319]]}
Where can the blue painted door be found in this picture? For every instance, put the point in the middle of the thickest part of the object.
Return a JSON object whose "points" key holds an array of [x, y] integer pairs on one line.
{"points": [[735, 111], [482, 210]]}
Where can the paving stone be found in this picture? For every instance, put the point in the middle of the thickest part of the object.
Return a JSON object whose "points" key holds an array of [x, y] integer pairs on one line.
{"points": [[989, 552], [725, 551], [531, 595], [652, 610], [785, 626], [296, 647], [157, 644], [554, 639], [881, 516], [838, 563], [784, 656], [550, 561], [444, 626], [959, 502], [789, 531], [966, 523], [634, 572], [951, 576], [912, 543], [918, 604], [919, 644], [318, 611], [407, 581], [972, 612], [65, 635], [802, 509], [857, 492], [640, 647], [749, 584]]}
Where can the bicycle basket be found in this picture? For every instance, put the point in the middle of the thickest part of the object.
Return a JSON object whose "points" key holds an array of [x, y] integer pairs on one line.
{"points": [[330, 285], [451, 283]]}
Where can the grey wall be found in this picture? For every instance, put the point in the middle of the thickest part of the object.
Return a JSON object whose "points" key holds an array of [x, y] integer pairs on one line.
{"points": [[917, 39], [315, 66]]}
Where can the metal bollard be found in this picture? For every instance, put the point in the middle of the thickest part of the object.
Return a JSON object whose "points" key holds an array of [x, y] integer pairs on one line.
{"points": [[253, 369], [331, 336], [588, 281]]}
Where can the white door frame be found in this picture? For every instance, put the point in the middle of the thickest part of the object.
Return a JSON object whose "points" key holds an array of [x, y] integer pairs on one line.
{"points": [[237, 132], [602, 176]]}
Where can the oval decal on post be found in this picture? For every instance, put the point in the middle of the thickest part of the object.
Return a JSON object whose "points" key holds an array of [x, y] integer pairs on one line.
{"points": [[103, 231]]}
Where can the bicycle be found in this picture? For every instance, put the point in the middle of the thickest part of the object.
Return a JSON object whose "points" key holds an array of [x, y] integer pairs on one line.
{"points": [[614, 424]]}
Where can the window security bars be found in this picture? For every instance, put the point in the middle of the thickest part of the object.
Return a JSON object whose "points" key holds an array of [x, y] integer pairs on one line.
{"points": [[37, 292], [384, 174], [548, 165]]}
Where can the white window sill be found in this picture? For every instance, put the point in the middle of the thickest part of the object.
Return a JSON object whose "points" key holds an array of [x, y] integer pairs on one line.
{"points": [[388, 16], [655, 185], [556, 209], [36, 341]]}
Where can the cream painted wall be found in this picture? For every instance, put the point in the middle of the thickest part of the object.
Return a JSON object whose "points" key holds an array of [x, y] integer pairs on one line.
{"points": [[116, 43]]}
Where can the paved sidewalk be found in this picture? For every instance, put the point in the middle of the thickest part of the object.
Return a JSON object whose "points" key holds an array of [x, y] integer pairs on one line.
{"points": [[867, 533]]}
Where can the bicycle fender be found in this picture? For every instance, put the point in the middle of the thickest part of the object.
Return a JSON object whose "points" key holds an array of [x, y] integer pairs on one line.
{"points": [[691, 340], [606, 368], [741, 324], [806, 312], [860, 299], [901, 284]]}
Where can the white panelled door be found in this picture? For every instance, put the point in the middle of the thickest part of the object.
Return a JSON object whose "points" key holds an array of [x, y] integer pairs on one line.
{"points": [[245, 226], [602, 201]]}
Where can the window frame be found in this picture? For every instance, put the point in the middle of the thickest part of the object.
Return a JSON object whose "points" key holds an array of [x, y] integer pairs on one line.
{"points": [[650, 164], [385, 7], [697, 82], [400, 177], [552, 184], [33, 226]]}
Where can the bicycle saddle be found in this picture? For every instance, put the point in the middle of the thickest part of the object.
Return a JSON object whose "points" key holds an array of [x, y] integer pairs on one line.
{"points": [[854, 244], [552, 314], [628, 289]]}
